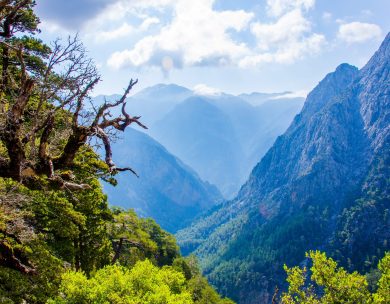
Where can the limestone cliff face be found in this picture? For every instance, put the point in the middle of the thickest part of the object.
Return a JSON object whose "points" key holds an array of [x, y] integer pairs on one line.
{"points": [[325, 174]]}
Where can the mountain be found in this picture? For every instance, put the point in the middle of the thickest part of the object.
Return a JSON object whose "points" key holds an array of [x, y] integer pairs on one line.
{"points": [[204, 137], [166, 190], [154, 102], [222, 137], [257, 99], [273, 118], [324, 184]]}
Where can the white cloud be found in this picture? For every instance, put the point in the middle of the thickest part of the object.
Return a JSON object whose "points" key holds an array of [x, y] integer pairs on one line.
{"points": [[205, 90], [148, 22], [289, 27], [358, 32], [367, 12], [284, 41], [53, 28], [119, 9], [124, 30], [279, 7], [197, 35], [300, 93]]}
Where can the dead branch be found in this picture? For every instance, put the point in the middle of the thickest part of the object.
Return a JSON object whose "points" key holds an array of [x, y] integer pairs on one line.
{"points": [[63, 184], [97, 128]]}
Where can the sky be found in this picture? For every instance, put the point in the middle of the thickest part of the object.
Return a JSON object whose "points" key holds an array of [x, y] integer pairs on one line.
{"points": [[219, 45]]}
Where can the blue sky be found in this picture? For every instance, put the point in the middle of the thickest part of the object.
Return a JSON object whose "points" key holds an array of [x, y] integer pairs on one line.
{"points": [[219, 45]]}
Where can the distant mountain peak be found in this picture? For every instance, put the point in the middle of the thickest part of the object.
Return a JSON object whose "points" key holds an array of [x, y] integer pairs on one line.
{"points": [[163, 89], [332, 85], [380, 59], [385, 45], [345, 68]]}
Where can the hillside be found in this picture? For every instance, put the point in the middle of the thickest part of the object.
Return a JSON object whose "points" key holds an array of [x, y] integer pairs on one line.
{"points": [[322, 185], [166, 190], [203, 136], [223, 137]]}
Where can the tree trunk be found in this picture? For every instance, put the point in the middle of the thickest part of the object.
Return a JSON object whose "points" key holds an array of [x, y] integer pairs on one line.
{"points": [[75, 142], [118, 249]]}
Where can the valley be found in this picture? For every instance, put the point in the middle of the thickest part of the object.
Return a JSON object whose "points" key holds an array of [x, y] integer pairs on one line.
{"points": [[194, 152]]}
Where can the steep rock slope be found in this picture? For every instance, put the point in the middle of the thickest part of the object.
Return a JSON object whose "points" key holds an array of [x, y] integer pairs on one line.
{"points": [[166, 190], [323, 178]]}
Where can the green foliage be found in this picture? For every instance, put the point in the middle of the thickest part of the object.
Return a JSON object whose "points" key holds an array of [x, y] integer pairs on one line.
{"points": [[188, 265], [137, 239], [332, 284], [382, 295], [363, 234], [46, 229], [254, 260], [166, 243], [244, 253], [144, 283], [26, 21], [78, 230], [198, 286]]}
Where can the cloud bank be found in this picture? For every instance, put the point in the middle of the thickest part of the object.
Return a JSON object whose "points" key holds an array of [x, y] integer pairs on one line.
{"points": [[198, 35], [171, 34]]}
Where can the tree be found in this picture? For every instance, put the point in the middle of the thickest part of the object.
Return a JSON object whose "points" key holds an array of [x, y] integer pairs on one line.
{"points": [[46, 113], [382, 295], [331, 284], [136, 239], [47, 122], [144, 283]]}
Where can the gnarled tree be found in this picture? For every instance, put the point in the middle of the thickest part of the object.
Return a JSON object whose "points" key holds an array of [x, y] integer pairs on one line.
{"points": [[47, 121], [46, 114]]}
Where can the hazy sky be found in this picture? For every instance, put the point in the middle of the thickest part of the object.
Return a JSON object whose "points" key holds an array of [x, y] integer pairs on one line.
{"points": [[228, 45]]}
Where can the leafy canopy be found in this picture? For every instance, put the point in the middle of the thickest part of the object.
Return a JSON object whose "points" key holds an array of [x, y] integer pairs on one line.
{"points": [[331, 284]]}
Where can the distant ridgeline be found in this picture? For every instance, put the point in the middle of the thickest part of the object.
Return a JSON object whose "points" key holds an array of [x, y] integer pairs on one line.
{"points": [[193, 143], [324, 185], [167, 190]]}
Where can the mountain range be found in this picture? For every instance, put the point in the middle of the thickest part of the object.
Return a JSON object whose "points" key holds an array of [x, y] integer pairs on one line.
{"points": [[193, 143], [223, 137], [166, 190], [324, 184], [220, 136]]}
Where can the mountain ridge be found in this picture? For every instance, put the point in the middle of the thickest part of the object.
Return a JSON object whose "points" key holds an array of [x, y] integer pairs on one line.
{"points": [[308, 189], [167, 189]]}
